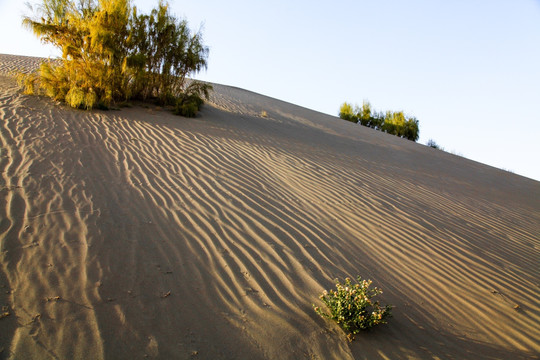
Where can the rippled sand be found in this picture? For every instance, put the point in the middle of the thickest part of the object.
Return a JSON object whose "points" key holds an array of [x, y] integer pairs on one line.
{"points": [[135, 234]]}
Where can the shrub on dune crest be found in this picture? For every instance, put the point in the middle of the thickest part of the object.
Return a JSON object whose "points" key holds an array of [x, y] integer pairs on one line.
{"points": [[391, 122], [111, 54], [346, 112], [431, 143], [352, 308]]}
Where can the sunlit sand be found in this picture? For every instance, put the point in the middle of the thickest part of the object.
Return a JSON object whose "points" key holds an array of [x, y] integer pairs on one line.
{"points": [[135, 233]]}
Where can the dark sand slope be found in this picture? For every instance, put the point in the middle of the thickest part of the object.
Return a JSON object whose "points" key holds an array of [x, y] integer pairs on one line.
{"points": [[138, 234]]}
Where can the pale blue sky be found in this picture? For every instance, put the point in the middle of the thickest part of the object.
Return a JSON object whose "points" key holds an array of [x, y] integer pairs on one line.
{"points": [[469, 70]]}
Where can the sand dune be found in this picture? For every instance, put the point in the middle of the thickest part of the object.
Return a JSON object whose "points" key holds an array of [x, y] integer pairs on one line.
{"points": [[138, 234]]}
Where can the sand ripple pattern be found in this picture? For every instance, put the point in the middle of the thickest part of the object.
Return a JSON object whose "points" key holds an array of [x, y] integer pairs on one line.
{"points": [[13, 64], [136, 233]]}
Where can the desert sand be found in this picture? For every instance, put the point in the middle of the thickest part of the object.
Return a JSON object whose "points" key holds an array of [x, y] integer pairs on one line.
{"points": [[134, 234]]}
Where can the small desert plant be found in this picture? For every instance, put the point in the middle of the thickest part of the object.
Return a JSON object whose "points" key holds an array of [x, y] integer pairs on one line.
{"points": [[352, 308], [432, 144], [190, 102]]}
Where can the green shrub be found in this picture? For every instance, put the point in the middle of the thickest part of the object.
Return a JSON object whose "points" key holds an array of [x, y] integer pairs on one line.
{"points": [[75, 97], [28, 82], [346, 113], [190, 102], [187, 106], [352, 308], [391, 122], [111, 54], [364, 113]]}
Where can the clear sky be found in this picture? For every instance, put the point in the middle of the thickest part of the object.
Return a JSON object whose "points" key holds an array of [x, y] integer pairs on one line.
{"points": [[469, 70]]}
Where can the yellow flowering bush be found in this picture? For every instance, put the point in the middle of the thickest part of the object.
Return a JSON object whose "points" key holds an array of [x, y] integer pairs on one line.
{"points": [[351, 306]]}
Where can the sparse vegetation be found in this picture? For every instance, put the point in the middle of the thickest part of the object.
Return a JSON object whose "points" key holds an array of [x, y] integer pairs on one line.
{"points": [[431, 143], [112, 54], [352, 308], [391, 122]]}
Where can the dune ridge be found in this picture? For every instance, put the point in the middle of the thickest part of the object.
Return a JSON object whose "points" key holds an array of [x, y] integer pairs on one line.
{"points": [[137, 233]]}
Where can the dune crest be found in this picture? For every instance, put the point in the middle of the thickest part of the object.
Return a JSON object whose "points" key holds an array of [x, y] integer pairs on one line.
{"points": [[136, 233]]}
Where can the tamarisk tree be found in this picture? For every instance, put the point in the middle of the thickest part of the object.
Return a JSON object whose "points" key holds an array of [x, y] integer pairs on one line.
{"points": [[111, 54], [391, 122]]}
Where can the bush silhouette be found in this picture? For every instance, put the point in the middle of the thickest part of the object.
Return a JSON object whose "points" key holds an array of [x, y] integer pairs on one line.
{"points": [[111, 54], [431, 143]]}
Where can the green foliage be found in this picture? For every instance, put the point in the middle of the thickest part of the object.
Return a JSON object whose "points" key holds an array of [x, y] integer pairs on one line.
{"points": [[165, 50], [411, 129], [391, 122], [346, 112], [111, 54], [54, 80], [190, 102], [28, 83], [364, 113], [352, 308]]}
